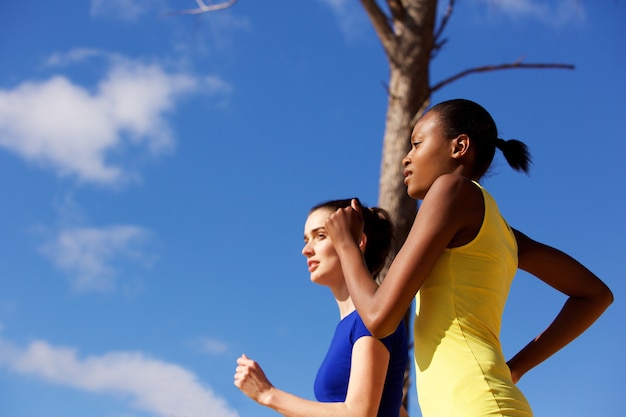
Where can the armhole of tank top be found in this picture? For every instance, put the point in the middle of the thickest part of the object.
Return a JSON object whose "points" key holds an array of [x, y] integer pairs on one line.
{"points": [[482, 223]]}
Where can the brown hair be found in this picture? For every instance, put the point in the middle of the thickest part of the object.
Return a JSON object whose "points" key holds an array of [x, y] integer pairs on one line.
{"points": [[377, 227]]}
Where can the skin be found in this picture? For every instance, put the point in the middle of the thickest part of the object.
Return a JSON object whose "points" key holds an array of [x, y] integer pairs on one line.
{"points": [[438, 172], [370, 358]]}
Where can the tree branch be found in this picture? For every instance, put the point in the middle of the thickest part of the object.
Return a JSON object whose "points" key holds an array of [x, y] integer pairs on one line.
{"points": [[487, 68], [380, 21], [420, 112], [442, 26], [204, 8], [397, 9]]}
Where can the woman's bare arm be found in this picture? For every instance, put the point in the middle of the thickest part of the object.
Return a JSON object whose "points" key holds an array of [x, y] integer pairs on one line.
{"points": [[588, 298], [370, 359], [436, 225]]}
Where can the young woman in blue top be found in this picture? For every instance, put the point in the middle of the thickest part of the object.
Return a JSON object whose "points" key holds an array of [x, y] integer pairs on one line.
{"points": [[361, 376]]}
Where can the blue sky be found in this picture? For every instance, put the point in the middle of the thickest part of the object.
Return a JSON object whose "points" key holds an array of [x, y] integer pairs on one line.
{"points": [[157, 171]]}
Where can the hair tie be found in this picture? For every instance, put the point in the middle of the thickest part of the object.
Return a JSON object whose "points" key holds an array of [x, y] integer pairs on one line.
{"points": [[500, 143]]}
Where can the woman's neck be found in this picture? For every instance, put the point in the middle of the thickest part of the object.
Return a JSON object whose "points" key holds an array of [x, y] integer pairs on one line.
{"points": [[344, 301]]}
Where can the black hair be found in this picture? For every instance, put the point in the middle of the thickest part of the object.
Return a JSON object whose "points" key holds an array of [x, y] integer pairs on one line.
{"points": [[377, 227], [461, 116]]}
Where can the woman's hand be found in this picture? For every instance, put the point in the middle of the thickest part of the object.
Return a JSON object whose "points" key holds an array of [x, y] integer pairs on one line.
{"points": [[346, 224], [251, 380]]}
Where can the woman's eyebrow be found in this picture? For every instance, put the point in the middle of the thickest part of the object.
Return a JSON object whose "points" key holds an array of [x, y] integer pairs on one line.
{"points": [[317, 229]]}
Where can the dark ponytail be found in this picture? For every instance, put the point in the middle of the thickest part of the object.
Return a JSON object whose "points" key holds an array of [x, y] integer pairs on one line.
{"points": [[516, 153], [460, 116], [379, 231]]}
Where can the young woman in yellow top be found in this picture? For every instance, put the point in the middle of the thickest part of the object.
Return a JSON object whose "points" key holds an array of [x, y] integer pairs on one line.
{"points": [[458, 262]]}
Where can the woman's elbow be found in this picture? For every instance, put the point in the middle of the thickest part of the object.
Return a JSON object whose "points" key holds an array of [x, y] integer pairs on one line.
{"points": [[378, 327], [606, 297], [601, 298]]}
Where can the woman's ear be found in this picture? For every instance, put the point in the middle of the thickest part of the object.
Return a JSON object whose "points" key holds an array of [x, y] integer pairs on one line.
{"points": [[362, 242], [461, 145]]}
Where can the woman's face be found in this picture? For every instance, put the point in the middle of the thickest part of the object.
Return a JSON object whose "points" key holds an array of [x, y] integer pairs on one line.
{"points": [[322, 259], [428, 158]]}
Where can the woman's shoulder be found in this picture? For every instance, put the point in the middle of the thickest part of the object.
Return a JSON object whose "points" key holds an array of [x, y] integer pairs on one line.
{"points": [[449, 196], [453, 180], [457, 190]]}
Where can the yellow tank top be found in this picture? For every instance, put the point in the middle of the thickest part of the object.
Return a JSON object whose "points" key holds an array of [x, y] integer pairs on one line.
{"points": [[460, 368]]}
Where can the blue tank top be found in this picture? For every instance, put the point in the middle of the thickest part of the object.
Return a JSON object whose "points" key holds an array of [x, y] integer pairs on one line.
{"points": [[331, 383]]}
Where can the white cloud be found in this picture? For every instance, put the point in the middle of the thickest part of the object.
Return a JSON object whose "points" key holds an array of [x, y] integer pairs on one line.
{"points": [[119, 9], [62, 125], [213, 346], [150, 385], [88, 254], [557, 13], [78, 55], [350, 16]]}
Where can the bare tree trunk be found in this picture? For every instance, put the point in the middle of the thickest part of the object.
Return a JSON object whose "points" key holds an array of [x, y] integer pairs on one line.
{"points": [[407, 36], [408, 40]]}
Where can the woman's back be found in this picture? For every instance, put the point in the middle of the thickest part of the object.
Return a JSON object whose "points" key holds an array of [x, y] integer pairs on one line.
{"points": [[460, 368]]}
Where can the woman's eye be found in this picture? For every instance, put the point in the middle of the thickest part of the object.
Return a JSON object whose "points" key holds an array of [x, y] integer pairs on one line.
{"points": [[415, 144], [321, 236]]}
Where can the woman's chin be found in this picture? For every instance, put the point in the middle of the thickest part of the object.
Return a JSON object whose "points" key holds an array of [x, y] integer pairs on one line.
{"points": [[321, 277]]}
